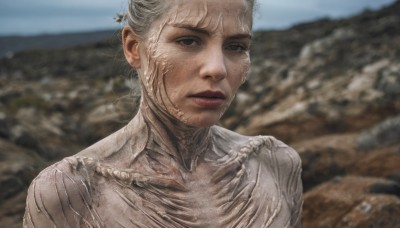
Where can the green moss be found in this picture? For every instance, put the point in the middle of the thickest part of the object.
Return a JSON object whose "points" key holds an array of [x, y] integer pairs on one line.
{"points": [[28, 101]]}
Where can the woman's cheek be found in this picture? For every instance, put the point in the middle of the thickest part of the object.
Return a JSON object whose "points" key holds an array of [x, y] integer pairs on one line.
{"points": [[241, 71]]}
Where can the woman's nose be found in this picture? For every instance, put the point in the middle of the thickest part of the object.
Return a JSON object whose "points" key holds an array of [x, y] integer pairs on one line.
{"points": [[214, 66]]}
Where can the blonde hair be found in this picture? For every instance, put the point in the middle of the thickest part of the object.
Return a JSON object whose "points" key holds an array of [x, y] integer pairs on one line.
{"points": [[142, 13]]}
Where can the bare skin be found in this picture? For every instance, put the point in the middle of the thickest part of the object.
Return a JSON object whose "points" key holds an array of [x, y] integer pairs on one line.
{"points": [[170, 166]]}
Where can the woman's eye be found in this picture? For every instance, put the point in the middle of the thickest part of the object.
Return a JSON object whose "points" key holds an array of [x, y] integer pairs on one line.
{"points": [[237, 47], [190, 42]]}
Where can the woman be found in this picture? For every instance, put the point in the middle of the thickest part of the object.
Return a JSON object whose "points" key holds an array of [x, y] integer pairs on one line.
{"points": [[170, 166]]}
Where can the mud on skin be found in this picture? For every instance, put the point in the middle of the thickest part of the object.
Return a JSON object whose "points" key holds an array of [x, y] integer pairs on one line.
{"points": [[171, 166]]}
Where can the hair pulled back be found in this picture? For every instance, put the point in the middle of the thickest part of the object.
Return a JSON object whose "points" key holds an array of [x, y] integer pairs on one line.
{"points": [[142, 13]]}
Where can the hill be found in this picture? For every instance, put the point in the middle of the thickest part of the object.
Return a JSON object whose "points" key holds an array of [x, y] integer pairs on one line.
{"points": [[12, 44]]}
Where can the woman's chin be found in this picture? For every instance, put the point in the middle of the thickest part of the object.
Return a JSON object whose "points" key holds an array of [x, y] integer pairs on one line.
{"points": [[201, 121]]}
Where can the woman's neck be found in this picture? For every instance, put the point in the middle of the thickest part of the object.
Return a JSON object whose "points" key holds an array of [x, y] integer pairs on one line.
{"points": [[174, 138]]}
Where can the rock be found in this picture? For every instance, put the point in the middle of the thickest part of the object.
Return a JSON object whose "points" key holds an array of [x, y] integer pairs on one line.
{"points": [[382, 162], [102, 121], [6, 124], [326, 157], [295, 110], [386, 188], [12, 210], [373, 211], [382, 134], [349, 202], [322, 46], [389, 82], [343, 70], [26, 140], [108, 117]]}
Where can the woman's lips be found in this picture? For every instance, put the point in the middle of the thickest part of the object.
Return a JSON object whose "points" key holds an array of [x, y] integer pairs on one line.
{"points": [[209, 99]]}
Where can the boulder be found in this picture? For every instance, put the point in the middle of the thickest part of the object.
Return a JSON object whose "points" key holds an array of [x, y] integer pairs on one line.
{"points": [[382, 134], [326, 157], [352, 202], [383, 162]]}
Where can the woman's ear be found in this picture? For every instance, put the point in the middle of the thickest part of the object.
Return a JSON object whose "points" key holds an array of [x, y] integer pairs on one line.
{"points": [[130, 43]]}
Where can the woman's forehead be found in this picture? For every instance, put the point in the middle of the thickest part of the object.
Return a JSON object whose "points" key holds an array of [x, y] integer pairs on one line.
{"points": [[227, 6], [211, 14]]}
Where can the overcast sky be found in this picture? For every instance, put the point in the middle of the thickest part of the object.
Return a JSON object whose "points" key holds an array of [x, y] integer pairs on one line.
{"points": [[29, 17]]}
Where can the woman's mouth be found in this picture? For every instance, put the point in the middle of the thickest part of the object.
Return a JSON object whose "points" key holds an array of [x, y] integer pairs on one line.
{"points": [[209, 99]]}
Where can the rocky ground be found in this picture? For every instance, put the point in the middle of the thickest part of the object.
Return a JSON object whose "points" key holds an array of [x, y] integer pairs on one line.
{"points": [[329, 88]]}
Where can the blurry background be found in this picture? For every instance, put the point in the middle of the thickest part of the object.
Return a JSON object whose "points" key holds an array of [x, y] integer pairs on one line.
{"points": [[325, 79], [26, 17]]}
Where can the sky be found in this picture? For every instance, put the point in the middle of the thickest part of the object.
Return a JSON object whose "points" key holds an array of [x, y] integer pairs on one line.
{"points": [[32, 17]]}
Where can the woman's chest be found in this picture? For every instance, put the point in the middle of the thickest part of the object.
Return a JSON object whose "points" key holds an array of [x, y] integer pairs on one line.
{"points": [[242, 196]]}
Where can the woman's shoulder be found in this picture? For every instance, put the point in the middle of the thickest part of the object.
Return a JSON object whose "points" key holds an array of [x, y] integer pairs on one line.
{"points": [[70, 173], [277, 155], [266, 148], [60, 191], [274, 150], [64, 168]]}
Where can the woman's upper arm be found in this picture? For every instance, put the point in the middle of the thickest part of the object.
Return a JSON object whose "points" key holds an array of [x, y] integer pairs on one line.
{"points": [[56, 199], [285, 165], [289, 165]]}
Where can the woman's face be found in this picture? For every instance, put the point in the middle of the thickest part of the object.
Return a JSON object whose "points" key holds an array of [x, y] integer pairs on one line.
{"points": [[195, 57]]}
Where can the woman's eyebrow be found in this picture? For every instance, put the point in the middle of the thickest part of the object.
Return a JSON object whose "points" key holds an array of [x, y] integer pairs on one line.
{"points": [[241, 36], [206, 32], [192, 28]]}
